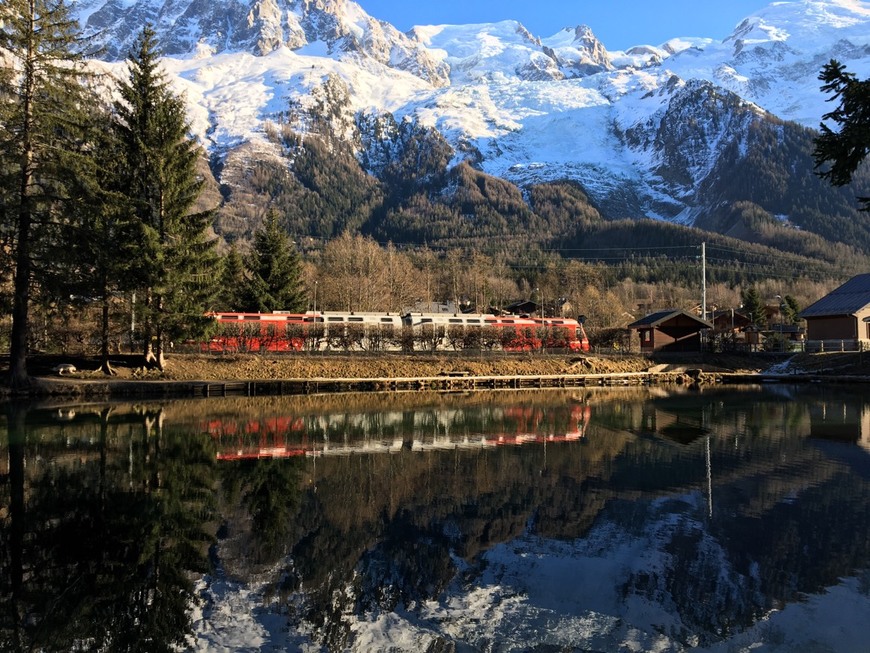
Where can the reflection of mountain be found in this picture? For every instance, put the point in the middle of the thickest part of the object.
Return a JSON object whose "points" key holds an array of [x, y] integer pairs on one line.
{"points": [[720, 574], [627, 530]]}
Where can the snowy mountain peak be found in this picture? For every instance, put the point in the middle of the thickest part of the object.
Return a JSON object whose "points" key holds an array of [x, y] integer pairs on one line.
{"points": [[814, 23], [198, 28], [641, 131]]}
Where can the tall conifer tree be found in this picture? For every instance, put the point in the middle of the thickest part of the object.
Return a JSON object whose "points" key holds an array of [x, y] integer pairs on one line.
{"points": [[41, 99], [276, 271], [94, 258], [177, 260]]}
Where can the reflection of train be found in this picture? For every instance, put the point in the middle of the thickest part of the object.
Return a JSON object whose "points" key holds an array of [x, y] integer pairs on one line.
{"points": [[389, 331], [288, 437]]}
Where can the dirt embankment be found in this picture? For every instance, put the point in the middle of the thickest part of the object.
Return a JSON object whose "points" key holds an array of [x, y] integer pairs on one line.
{"points": [[307, 366], [251, 367]]}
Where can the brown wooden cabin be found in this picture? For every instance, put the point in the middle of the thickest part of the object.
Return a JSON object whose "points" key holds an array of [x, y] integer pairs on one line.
{"points": [[842, 314], [670, 331]]}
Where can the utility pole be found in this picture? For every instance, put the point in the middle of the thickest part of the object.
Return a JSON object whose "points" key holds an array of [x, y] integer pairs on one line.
{"points": [[704, 281]]}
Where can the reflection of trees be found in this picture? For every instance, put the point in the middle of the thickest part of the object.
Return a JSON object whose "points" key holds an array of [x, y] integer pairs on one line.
{"points": [[108, 531], [269, 490]]}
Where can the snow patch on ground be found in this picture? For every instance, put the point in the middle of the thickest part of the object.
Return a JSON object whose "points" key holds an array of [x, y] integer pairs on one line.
{"points": [[785, 367]]}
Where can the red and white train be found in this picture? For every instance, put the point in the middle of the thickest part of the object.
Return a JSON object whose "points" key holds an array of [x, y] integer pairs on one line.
{"points": [[337, 331]]}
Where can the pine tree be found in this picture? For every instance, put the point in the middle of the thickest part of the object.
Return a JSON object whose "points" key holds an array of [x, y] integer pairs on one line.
{"points": [[94, 259], [276, 271], [231, 296], [844, 150], [753, 307], [790, 309], [41, 98], [176, 259]]}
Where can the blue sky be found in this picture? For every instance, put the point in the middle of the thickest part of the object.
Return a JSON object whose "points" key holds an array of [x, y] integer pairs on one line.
{"points": [[618, 24]]}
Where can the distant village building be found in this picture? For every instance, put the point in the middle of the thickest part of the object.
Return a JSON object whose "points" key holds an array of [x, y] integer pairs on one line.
{"points": [[434, 307], [729, 321], [559, 307], [522, 307], [842, 314], [670, 331]]}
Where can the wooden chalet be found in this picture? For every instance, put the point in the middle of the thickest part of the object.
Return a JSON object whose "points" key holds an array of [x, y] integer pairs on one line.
{"points": [[670, 331], [729, 321], [843, 314]]}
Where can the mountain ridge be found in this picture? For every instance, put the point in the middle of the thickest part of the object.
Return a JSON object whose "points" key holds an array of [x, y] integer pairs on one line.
{"points": [[643, 131]]}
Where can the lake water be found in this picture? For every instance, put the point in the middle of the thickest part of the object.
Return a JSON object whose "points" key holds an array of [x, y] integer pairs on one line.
{"points": [[722, 519]]}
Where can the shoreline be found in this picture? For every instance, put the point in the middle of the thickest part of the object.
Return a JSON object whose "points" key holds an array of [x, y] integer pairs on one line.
{"points": [[191, 375]]}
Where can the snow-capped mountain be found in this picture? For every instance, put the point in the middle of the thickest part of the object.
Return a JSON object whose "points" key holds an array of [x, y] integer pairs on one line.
{"points": [[329, 28], [644, 131]]}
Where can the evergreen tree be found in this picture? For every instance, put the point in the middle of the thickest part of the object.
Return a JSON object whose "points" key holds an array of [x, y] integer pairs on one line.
{"points": [[753, 307], [176, 259], [41, 98], [790, 309], [846, 149], [276, 271], [106, 238], [231, 296]]}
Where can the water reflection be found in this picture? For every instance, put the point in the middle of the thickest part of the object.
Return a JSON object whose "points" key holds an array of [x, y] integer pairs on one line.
{"points": [[509, 521], [106, 522]]}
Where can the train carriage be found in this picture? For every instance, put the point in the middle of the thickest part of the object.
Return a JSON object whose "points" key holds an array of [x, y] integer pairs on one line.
{"points": [[369, 331]]}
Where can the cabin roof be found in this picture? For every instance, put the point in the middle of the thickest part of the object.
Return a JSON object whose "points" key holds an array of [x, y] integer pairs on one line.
{"points": [[848, 299], [658, 318]]}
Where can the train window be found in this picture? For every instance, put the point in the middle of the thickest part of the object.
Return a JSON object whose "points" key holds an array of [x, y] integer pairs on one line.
{"points": [[387, 319], [336, 319], [455, 321], [426, 320], [508, 321], [354, 319], [251, 317], [490, 321], [474, 321]]}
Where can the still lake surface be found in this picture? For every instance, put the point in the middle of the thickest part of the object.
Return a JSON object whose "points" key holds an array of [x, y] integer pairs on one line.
{"points": [[630, 519]]}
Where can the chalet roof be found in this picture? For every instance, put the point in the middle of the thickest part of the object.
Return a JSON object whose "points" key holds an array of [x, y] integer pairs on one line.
{"points": [[727, 314], [653, 320], [522, 306], [848, 299]]}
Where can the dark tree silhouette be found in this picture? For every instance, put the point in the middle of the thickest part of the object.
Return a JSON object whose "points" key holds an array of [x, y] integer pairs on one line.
{"points": [[844, 150]]}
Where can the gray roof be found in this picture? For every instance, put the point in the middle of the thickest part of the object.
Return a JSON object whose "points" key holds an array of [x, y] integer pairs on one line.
{"points": [[655, 319], [848, 299]]}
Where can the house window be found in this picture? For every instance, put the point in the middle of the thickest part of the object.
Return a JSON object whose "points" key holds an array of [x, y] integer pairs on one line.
{"points": [[647, 336]]}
